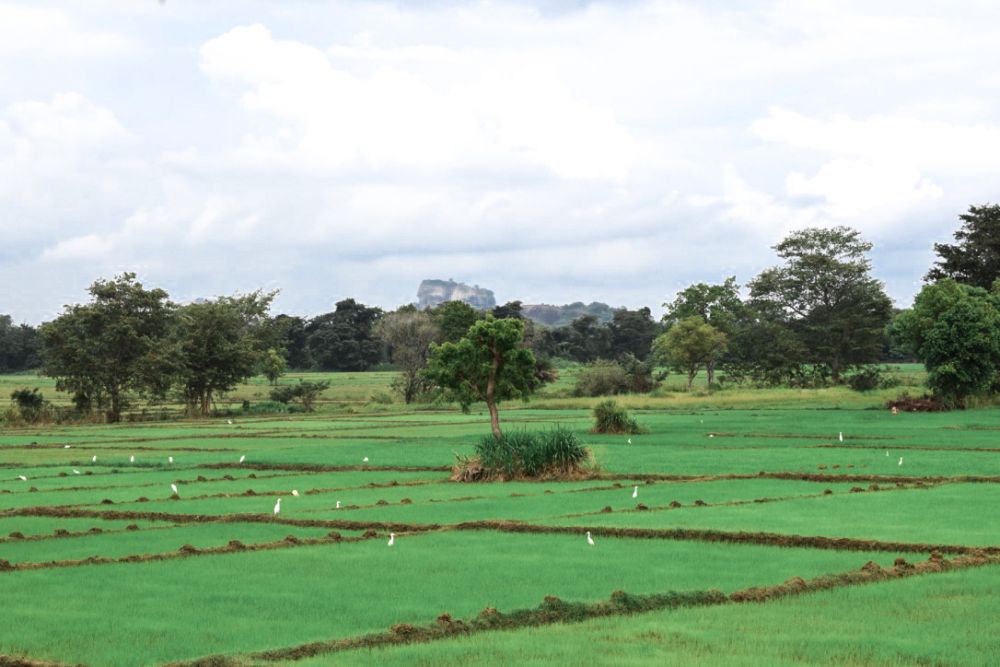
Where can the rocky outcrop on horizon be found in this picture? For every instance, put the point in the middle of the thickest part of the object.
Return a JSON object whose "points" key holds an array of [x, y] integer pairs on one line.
{"points": [[434, 292]]}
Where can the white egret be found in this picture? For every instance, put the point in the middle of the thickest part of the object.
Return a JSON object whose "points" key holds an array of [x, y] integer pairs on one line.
{"points": [[900, 460], [392, 539], [170, 459], [635, 492], [365, 460], [93, 459], [229, 421], [338, 505], [630, 441], [590, 540], [887, 452], [711, 435], [173, 487], [295, 492], [243, 458], [841, 436], [22, 478], [277, 507], [131, 459], [66, 446], [75, 471]]}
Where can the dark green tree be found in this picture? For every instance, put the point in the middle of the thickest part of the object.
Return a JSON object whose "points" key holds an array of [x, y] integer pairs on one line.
{"points": [[488, 364], [974, 259], [20, 346], [632, 332], [344, 340], [273, 365], [824, 292], [954, 329], [719, 305], [689, 345], [509, 309], [219, 346], [454, 318], [114, 346]]}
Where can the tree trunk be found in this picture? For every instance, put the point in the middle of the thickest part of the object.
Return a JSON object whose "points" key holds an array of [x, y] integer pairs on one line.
{"points": [[114, 413], [206, 400], [491, 395], [710, 369], [691, 373]]}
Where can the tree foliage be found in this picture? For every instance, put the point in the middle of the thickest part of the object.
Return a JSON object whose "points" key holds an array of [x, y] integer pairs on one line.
{"points": [[344, 340], [954, 329], [408, 335], [689, 345], [116, 344], [825, 294], [487, 364], [20, 346], [454, 318], [974, 259]]}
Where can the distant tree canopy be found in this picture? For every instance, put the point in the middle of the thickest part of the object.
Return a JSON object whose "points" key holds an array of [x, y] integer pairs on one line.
{"points": [[20, 346], [408, 334], [975, 257], [344, 340]]}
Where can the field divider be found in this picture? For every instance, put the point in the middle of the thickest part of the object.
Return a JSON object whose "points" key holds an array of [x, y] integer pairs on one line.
{"points": [[315, 467], [554, 610], [804, 477]]}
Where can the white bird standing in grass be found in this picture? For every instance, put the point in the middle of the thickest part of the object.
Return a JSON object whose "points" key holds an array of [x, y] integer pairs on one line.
{"points": [[635, 492], [590, 540], [630, 441], [75, 471], [277, 507], [229, 421], [295, 492], [900, 460], [392, 539], [173, 487], [841, 436], [93, 459], [338, 505], [67, 446], [22, 478], [365, 460], [131, 459], [887, 452], [243, 458], [170, 459]]}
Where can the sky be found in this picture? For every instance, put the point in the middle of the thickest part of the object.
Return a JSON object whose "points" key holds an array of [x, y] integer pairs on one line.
{"points": [[552, 151]]}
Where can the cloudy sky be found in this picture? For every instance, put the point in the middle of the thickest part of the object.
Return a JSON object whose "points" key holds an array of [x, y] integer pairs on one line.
{"points": [[553, 151]]}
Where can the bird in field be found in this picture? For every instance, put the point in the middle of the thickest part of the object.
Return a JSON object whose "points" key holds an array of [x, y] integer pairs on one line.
{"points": [[887, 452], [173, 487], [295, 492], [75, 471], [277, 507], [243, 458], [590, 540], [170, 459], [365, 460], [229, 421], [841, 436], [67, 446], [392, 539], [630, 441], [93, 459], [131, 459], [635, 492], [711, 435], [900, 460], [338, 505], [22, 478]]}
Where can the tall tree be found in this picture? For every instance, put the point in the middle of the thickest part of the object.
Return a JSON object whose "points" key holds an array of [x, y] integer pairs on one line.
{"points": [[975, 257], [488, 364], [409, 334], [689, 345], [115, 345], [344, 340], [718, 305], [825, 293], [20, 346], [954, 329], [219, 345], [632, 332]]}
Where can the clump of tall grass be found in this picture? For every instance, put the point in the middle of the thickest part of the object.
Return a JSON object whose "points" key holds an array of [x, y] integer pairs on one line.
{"points": [[525, 455], [609, 417]]}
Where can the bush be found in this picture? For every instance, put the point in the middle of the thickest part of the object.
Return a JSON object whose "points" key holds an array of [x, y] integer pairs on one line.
{"points": [[609, 417], [521, 454], [266, 408], [30, 404], [601, 378], [304, 392], [870, 378]]}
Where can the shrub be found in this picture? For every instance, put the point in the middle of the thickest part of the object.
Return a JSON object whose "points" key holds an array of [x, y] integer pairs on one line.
{"points": [[601, 378], [525, 454], [304, 392], [870, 378], [30, 404], [609, 417], [266, 408]]}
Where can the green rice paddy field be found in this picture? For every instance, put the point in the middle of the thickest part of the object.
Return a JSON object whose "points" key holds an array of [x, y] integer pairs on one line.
{"points": [[741, 529]]}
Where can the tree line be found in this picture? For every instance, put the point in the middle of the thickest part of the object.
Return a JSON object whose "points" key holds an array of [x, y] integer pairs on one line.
{"points": [[817, 317]]}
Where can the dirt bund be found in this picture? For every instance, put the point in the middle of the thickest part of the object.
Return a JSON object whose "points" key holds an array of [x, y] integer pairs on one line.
{"points": [[917, 448], [308, 467], [805, 477], [554, 610], [764, 539], [19, 661]]}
